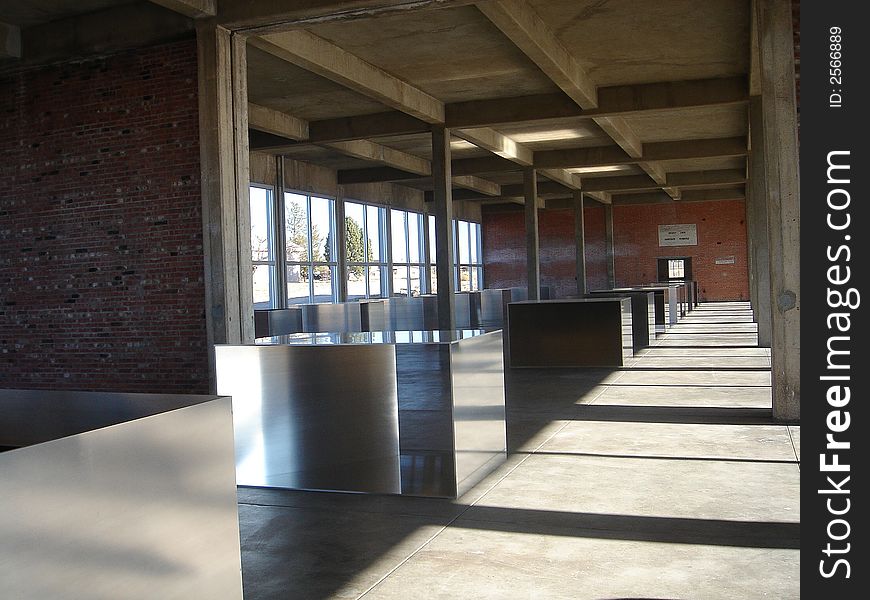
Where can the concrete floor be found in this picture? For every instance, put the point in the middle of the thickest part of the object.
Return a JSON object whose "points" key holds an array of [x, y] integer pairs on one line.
{"points": [[664, 480]]}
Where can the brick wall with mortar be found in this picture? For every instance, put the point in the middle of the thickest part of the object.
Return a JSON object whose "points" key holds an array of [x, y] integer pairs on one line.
{"points": [[721, 230], [504, 249], [721, 234], [101, 259]]}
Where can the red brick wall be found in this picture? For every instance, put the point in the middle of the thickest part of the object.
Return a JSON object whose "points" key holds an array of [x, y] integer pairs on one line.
{"points": [[504, 249], [596, 256], [721, 233], [101, 260]]}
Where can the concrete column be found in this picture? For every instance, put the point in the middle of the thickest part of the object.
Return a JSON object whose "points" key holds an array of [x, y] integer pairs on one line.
{"points": [[242, 154], [533, 261], [443, 211], [225, 179], [783, 197], [756, 225], [580, 242], [608, 246], [341, 245]]}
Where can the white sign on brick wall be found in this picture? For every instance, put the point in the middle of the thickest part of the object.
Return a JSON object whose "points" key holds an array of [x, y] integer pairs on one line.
{"points": [[678, 235]]}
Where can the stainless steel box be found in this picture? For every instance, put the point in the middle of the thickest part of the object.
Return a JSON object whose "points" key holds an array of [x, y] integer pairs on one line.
{"points": [[418, 413], [591, 332], [108, 495]]}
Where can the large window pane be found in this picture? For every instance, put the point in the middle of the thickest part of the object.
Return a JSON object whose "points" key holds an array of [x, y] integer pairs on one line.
{"points": [[432, 244], [375, 218], [356, 284], [375, 282], [474, 242], [354, 221], [297, 284], [415, 236], [400, 281], [464, 254], [414, 282], [296, 226], [398, 236], [476, 279], [261, 224], [464, 279], [263, 282], [434, 274], [324, 291], [322, 231]]}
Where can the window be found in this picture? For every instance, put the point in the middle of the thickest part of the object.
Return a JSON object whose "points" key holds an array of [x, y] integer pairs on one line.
{"points": [[308, 262], [406, 239], [676, 268], [310, 256], [467, 257], [365, 228], [263, 248]]}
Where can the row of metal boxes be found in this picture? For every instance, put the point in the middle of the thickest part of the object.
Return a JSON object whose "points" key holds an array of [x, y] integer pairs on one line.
{"points": [[484, 309]]}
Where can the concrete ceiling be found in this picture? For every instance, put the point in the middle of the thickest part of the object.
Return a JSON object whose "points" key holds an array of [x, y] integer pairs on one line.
{"points": [[596, 88], [631, 41], [26, 13], [585, 90], [456, 55]]}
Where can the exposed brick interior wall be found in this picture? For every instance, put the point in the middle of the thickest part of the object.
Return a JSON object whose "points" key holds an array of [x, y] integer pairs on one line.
{"points": [[721, 232], [504, 249], [596, 256], [101, 260]]}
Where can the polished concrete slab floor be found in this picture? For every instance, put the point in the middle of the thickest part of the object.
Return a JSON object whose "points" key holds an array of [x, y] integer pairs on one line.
{"points": [[667, 479]]}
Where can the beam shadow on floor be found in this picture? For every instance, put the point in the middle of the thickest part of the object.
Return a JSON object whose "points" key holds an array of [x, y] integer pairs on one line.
{"points": [[675, 530], [662, 457], [675, 414]]}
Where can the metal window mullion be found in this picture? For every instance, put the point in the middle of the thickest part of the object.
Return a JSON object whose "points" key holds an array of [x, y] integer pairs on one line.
{"points": [[279, 208]]}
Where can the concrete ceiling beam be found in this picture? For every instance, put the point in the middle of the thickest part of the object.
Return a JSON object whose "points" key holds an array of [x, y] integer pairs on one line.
{"points": [[10, 41], [195, 9]]}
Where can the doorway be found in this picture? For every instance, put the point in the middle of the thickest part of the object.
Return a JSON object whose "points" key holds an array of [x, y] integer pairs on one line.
{"points": [[674, 268]]}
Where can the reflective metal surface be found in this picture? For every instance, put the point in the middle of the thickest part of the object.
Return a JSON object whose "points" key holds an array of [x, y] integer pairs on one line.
{"points": [[342, 316], [643, 314], [130, 509], [436, 397], [590, 332], [374, 315], [277, 321], [493, 307], [417, 313], [479, 432], [322, 416], [467, 308]]}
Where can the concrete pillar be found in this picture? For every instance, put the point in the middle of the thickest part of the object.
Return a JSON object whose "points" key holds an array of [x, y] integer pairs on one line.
{"points": [[341, 246], [783, 197], [533, 261], [756, 225], [580, 242], [225, 179], [443, 211], [608, 246]]}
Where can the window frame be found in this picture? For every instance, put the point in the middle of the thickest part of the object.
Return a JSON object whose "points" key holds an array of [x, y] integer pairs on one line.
{"points": [[271, 244], [384, 241]]}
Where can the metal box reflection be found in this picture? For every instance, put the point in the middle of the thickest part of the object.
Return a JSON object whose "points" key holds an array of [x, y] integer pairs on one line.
{"points": [[117, 495], [411, 412]]}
